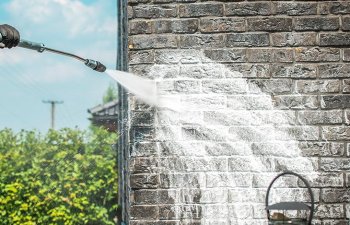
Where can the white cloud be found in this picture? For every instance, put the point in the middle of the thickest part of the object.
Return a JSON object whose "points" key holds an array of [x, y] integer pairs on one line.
{"points": [[63, 15]]}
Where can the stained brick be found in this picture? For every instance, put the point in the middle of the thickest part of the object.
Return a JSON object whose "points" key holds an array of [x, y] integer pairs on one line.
{"points": [[155, 11], [334, 70], [296, 102], [247, 40], [336, 39], [321, 149], [321, 117], [316, 24], [269, 24], [317, 86], [295, 8], [213, 25], [140, 27], [176, 26], [330, 211], [259, 55], [345, 23], [335, 8], [202, 41], [201, 9], [332, 195], [144, 212], [294, 71], [335, 101], [316, 54], [346, 86], [293, 39], [336, 133], [153, 41], [248, 70], [334, 164], [226, 55], [247, 9], [274, 86], [140, 57]]}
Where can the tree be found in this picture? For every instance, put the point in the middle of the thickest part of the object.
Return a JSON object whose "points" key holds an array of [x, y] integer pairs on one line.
{"points": [[111, 93], [66, 177]]}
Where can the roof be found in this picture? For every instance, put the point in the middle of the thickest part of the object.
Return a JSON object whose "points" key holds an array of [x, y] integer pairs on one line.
{"points": [[108, 109]]}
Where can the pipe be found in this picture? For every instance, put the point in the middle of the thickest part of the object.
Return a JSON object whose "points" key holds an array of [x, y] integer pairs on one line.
{"points": [[95, 65]]}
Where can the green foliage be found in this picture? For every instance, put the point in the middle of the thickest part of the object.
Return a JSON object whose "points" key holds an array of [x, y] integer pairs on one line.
{"points": [[66, 177], [111, 93]]}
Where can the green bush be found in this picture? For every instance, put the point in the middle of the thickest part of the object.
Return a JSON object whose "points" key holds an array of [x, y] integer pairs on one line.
{"points": [[66, 177]]}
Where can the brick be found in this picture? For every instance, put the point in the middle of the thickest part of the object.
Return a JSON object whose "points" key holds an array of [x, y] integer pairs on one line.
{"points": [[337, 39], [130, 12], [247, 70], [143, 165], [142, 70], [346, 55], [204, 102], [322, 148], [294, 71], [138, 1], [334, 70], [320, 117], [262, 180], [298, 133], [143, 149], [227, 180], [296, 102], [317, 86], [249, 102], [144, 212], [201, 9], [233, 86], [259, 55], [316, 54], [330, 211], [247, 40], [153, 41], [226, 55], [333, 195], [144, 181], [188, 86], [345, 25], [213, 25], [269, 55], [176, 26], [140, 27], [269, 24], [175, 56], [346, 86], [140, 57], [282, 39], [155, 11], [247, 9], [202, 41], [142, 133], [316, 24], [335, 101], [274, 86], [187, 180], [335, 8], [334, 164], [322, 179], [336, 133], [336, 222], [295, 8], [348, 149], [347, 175], [200, 71]]}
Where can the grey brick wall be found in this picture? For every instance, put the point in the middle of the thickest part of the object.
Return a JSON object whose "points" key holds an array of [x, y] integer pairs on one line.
{"points": [[294, 52]]}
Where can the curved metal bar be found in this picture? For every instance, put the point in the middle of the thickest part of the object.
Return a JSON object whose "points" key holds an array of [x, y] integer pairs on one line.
{"points": [[307, 185], [65, 53]]}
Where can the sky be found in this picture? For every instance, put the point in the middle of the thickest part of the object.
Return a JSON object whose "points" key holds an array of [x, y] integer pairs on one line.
{"points": [[27, 78]]}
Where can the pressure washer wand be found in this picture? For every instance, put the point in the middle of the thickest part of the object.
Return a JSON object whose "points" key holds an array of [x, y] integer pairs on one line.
{"points": [[95, 65]]}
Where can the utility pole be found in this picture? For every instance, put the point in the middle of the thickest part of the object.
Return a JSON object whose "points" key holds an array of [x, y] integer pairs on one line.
{"points": [[53, 105]]}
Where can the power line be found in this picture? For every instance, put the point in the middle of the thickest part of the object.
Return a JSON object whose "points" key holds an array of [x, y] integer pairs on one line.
{"points": [[53, 106]]}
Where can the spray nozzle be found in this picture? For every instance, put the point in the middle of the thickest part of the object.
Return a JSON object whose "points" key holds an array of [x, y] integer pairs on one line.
{"points": [[95, 65]]}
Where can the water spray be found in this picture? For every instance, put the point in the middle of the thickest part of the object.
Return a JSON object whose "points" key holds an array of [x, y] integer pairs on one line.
{"points": [[39, 47]]}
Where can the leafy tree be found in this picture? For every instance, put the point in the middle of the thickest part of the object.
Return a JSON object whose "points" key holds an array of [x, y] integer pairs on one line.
{"points": [[111, 93], [66, 177]]}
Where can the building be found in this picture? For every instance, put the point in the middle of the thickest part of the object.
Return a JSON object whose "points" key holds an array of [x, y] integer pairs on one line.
{"points": [[105, 115]]}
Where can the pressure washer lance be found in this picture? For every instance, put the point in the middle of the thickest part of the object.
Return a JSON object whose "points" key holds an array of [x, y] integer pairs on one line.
{"points": [[95, 65]]}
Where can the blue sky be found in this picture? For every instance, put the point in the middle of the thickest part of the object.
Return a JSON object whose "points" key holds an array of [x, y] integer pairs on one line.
{"points": [[84, 27]]}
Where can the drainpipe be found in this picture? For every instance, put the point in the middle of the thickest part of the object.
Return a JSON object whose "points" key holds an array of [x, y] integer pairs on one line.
{"points": [[123, 140]]}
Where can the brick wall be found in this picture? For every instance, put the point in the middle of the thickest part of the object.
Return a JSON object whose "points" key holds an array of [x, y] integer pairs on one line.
{"points": [[295, 52]]}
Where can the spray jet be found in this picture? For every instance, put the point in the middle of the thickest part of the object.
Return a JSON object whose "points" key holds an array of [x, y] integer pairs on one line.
{"points": [[95, 65]]}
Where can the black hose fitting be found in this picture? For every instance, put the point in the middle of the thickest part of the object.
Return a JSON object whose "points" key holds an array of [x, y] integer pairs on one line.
{"points": [[95, 65]]}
